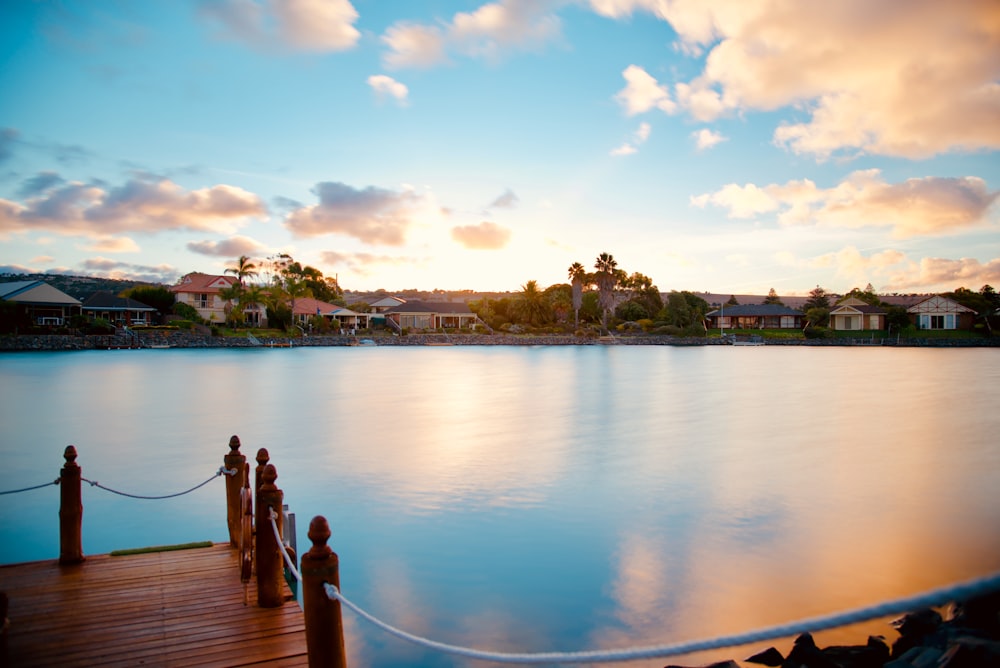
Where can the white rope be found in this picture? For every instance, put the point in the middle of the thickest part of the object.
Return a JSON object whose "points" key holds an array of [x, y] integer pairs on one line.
{"points": [[281, 545], [931, 598]]}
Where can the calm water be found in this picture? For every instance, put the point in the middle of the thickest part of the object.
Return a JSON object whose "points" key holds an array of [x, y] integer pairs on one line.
{"points": [[541, 499]]}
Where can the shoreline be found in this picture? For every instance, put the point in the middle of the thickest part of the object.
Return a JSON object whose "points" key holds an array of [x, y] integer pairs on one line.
{"points": [[59, 342]]}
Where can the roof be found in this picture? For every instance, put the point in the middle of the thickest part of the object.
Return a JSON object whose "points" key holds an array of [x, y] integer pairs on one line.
{"points": [[859, 308], [388, 301], [754, 309], [311, 306], [939, 304], [430, 307], [105, 301], [35, 292], [198, 282], [793, 301]]}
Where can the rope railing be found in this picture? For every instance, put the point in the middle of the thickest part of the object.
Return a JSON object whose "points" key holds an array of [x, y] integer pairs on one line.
{"points": [[935, 597], [222, 471], [28, 489], [273, 517]]}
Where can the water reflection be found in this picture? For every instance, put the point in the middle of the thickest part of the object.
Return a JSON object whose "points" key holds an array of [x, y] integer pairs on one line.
{"points": [[542, 499]]}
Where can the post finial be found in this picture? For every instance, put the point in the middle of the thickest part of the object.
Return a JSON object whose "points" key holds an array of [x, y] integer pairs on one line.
{"points": [[234, 444], [70, 455], [319, 534], [268, 477], [263, 457]]}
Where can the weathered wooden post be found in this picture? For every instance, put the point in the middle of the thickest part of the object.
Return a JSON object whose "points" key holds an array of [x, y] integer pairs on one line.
{"points": [[70, 511], [268, 557], [233, 460], [324, 625], [263, 457], [246, 530]]}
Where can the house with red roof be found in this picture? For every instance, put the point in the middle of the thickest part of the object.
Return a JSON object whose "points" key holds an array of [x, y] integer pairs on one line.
{"points": [[201, 291]]}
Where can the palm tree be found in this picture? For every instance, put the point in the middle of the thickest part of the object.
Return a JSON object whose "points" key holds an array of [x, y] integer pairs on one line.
{"points": [[296, 288], [532, 306], [606, 278], [232, 296], [577, 273], [244, 269]]}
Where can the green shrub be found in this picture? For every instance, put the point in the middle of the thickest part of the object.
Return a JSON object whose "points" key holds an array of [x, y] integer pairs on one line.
{"points": [[817, 333], [99, 326], [187, 312]]}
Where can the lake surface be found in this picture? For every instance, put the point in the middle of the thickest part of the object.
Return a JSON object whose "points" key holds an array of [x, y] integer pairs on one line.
{"points": [[541, 498]]}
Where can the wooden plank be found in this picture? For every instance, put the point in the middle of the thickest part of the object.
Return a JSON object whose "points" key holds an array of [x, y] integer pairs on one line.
{"points": [[182, 608]]}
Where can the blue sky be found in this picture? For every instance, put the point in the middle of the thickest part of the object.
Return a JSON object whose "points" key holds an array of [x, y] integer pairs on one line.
{"points": [[719, 146]]}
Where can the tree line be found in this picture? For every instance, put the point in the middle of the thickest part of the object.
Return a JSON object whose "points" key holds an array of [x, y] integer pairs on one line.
{"points": [[599, 300]]}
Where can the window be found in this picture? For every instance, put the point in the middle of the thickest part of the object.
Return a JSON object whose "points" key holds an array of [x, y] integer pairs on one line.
{"points": [[937, 322]]}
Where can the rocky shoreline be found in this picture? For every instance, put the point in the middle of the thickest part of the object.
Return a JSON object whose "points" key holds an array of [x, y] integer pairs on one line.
{"points": [[174, 339], [967, 636]]}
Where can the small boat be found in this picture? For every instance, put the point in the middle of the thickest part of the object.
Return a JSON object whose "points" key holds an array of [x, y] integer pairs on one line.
{"points": [[364, 342], [158, 346]]}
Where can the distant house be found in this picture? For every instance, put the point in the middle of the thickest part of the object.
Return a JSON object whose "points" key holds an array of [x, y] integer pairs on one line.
{"points": [[937, 312], [201, 291], [431, 315], [854, 314], [38, 303], [386, 303], [307, 307], [118, 310], [755, 316]]}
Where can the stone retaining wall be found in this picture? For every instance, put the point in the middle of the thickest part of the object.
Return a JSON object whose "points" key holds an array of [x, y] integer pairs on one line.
{"points": [[189, 340]]}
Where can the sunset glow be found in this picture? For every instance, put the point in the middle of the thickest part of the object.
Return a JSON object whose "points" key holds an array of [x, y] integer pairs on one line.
{"points": [[714, 146]]}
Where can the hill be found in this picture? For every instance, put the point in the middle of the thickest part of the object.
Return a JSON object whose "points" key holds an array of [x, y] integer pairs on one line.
{"points": [[80, 287]]}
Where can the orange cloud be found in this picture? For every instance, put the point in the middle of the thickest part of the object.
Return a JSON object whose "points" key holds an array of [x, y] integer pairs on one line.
{"points": [[919, 206], [373, 215], [484, 236], [908, 79], [232, 247]]}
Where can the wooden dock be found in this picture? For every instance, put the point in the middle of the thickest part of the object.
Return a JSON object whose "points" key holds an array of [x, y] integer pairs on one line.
{"points": [[160, 609]]}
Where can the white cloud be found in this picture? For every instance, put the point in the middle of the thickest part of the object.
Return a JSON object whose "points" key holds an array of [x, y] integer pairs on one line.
{"points": [[489, 32], [640, 135], [413, 45], [706, 139], [918, 206], [909, 79], [508, 200], [742, 201], [386, 85], [310, 25], [642, 92], [500, 25]]}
